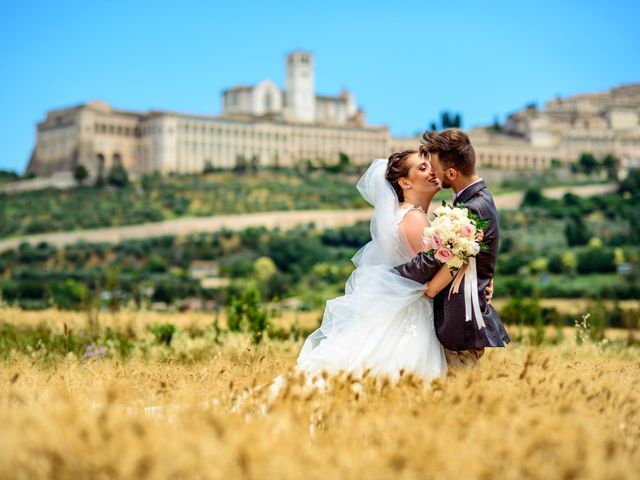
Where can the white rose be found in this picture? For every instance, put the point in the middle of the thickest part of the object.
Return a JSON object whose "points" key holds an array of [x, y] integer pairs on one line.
{"points": [[455, 262], [440, 211]]}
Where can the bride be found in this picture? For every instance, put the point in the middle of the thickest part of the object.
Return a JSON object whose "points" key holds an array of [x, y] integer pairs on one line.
{"points": [[384, 322]]}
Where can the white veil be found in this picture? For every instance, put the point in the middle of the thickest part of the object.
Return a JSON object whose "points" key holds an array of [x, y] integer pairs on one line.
{"points": [[386, 246]]}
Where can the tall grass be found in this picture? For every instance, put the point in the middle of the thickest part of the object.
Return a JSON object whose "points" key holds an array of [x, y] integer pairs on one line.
{"points": [[561, 411]]}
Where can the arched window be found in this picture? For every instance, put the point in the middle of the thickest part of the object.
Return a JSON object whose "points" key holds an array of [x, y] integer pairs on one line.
{"points": [[117, 159], [267, 102], [100, 162]]}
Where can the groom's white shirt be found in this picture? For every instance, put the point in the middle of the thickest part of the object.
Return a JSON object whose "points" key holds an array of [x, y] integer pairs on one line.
{"points": [[460, 192]]}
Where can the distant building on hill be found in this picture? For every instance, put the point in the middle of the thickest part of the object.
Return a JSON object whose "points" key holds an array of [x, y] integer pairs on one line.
{"points": [[266, 126], [259, 124], [599, 123]]}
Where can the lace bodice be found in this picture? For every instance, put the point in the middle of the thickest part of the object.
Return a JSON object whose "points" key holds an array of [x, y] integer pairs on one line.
{"points": [[401, 251], [402, 212]]}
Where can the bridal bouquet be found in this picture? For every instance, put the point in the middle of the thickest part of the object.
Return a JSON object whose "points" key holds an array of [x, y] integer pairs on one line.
{"points": [[455, 234], [455, 238]]}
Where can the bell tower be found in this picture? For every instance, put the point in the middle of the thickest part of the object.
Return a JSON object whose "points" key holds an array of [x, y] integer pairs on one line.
{"points": [[299, 89]]}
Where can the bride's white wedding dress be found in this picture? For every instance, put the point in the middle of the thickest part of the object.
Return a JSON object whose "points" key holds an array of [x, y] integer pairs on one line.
{"points": [[384, 322]]}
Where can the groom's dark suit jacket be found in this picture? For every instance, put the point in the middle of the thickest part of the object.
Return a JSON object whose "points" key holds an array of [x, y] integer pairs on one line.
{"points": [[453, 331]]}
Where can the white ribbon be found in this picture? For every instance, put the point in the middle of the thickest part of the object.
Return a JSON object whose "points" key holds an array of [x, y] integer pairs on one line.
{"points": [[471, 295]]}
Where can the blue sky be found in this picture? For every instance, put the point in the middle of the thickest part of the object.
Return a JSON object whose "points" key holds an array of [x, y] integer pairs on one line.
{"points": [[404, 61]]}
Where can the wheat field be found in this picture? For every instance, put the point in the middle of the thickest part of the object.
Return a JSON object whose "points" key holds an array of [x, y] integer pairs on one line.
{"points": [[561, 411]]}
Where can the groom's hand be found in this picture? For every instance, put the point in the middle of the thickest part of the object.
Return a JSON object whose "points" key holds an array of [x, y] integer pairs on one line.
{"points": [[489, 291]]}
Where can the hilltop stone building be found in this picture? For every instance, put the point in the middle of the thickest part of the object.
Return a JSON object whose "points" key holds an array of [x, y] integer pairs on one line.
{"points": [[296, 103], [268, 126], [258, 123], [599, 123]]}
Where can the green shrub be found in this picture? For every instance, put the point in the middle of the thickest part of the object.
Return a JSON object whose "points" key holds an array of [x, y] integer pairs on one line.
{"points": [[576, 231], [68, 295], [596, 260], [163, 332], [514, 287], [511, 264], [156, 264], [248, 313], [522, 311], [118, 175], [532, 197]]}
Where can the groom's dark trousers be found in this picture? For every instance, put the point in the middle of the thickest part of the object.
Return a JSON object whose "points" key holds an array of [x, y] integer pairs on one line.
{"points": [[453, 331]]}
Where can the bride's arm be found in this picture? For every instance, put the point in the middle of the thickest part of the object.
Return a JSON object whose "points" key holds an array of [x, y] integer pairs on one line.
{"points": [[411, 230], [439, 282], [444, 277]]}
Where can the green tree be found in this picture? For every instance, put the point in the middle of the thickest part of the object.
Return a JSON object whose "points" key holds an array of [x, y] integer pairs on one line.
{"points": [[100, 181], [208, 167], [80, 173], [254, 163], [150, 181], [576, 231], [271, 282], [163, 333], [521, 311], [556, 164], [588, 163], [495, 127], [539, 265], [28, 293], [532, 197], [264, 268], [341, 166], [596, 260], [631, 184], [118, 175], [611, 165], [156, 264], [445, 120], [569, 262], [555, 263], [8, 176], [343, 161], [68, 295], [448, 120], [112, 286], [248, 313], [241, 165], [525, 312]]}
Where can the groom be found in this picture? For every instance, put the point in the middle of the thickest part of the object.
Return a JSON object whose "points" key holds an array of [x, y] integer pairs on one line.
{"points": [[453, 161]]}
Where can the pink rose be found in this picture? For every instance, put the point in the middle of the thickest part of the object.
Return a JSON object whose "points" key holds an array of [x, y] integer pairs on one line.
{"points": [[436, 240], [444, 254], [468, 231], [427, 243]]}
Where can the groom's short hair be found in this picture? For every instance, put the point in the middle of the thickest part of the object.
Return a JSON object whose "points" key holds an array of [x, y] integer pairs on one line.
{"points": [[453, 147]]}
